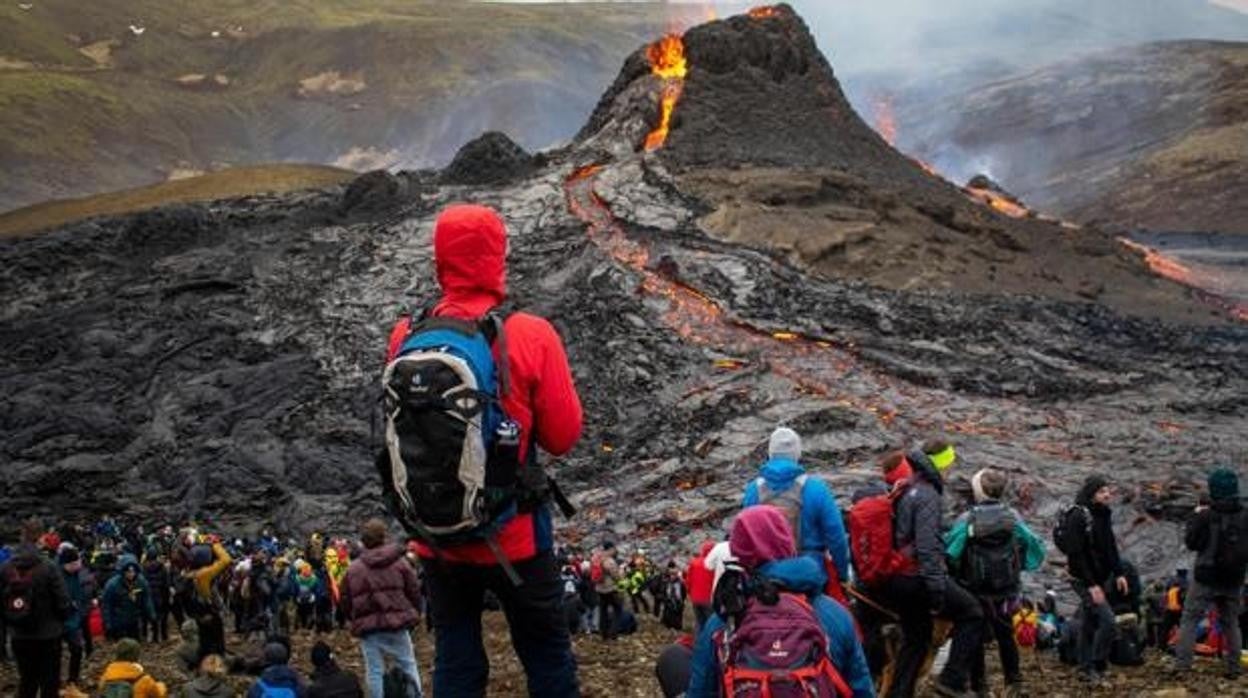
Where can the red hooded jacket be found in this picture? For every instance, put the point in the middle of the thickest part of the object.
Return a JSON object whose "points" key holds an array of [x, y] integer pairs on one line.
{"points": [[470, 254], [699, 580]]}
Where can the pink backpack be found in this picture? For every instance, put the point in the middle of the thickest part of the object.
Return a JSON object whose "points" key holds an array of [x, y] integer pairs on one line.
{"points": [[778, 651]]}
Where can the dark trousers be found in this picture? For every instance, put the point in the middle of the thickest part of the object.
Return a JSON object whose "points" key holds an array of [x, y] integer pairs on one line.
{"points": [[1096, 631], [998, 625], [74, 643], [534, 612], [640, 603], [908, 597], [674, 668], [701, 613], [608, 604], [39, 667], [159, 628], [211, 635], [4, 641]]}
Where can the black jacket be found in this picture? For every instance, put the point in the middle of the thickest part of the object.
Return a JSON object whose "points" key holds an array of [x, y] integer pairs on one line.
{"points": [[1093, 559], [332, 682], [49, 599], [1203, 531], [917, 525]]}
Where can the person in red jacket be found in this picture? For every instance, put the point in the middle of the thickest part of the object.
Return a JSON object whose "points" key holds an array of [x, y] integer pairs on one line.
{"points": [[470, 249], [701, 583]]}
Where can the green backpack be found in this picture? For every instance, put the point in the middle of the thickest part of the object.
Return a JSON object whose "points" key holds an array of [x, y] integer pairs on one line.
{"points": [[120, 689]]}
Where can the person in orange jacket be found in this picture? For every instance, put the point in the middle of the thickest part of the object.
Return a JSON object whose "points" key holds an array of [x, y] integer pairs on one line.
{"points": [[203, 604], [125, 668]]}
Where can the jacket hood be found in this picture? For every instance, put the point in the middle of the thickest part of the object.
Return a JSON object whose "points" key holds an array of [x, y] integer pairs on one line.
{"points": [[706, 548], [122, 671], [280, 675], [470, 254], [781, 471], [382, 556], [801, 574], [925, 469], [205, 686], [760, 535], [190, 631], [1089, 489], [124, 561]]}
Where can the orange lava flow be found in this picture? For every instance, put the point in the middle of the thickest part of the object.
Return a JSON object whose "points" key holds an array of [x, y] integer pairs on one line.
{"points": [[885, 122], [667, 62], [764, 12], [1162, 265], [998, 202]]}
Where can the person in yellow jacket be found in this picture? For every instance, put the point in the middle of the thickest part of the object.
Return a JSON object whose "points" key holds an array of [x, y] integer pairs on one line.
{"points": [[204, 603], [126, 670]]}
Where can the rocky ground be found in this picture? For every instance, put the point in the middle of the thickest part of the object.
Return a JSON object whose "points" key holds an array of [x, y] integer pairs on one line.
{"points": [[625, 667]]}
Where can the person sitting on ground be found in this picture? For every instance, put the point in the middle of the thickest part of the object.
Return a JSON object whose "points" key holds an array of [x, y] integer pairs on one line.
{"points": [[188, 649], [126, 672], [277, 673], [210, 682], [781, 585], [330, 681], [812, 510], [1218, 534]]}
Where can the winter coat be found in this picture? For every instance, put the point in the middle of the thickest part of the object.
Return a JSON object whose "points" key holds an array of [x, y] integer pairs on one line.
{"points": [[1093, 560], [801, 575], [205, 597], [207, 687], [821, 527], [157, 575], [78, 586], [1032, 546], [470, 245], [699, 580], [610, 581], [49, 599], [278, 676], [124, 604], [381, 592], [1203, 530], [144, 685], [917, 525], [333, 682]]}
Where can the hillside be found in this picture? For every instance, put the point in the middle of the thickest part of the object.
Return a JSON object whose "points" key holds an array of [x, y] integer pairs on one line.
{"points": [[1153, 137], [88, 104]]}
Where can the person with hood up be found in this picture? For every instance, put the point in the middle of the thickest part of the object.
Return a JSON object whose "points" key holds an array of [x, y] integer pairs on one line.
{"points": [[278, 674], [763, 543], [156, 572], [1095, 567], [470, 251], [127, 601], [328, 679], [78, 586], [919, 598], [202, 602], [189, 656], [380, 595], [210, 681], [125, 669], [807, 501], [35, 606], [700, 582], [1218, 534]]}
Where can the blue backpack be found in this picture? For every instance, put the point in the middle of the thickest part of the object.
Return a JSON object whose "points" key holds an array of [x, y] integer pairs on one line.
{"points": [[267, 691], [453, 454]]}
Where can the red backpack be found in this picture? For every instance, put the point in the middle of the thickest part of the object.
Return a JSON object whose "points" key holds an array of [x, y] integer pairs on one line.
{"points": [[595, 569], [778, 651], [871, 540]]}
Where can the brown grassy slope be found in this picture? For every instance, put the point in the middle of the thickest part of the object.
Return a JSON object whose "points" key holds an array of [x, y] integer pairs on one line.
{"points": [[240, 181]]}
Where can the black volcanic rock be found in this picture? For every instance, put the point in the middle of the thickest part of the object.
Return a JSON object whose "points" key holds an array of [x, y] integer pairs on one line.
{"points": [[492, 158]]}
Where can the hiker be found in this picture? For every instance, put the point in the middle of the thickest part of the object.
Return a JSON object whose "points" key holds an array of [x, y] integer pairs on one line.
{"points": [[126, 601], [1172, 607], [700, 580], [604, 572], [812, 510], [380, 595], [1218, 534], [539, 408], [210, 681], [571, 601], [672, 599], [1085, 534], [124, 676], [785, 614], [35, 608], [201, 602], [159, 583], [277, 674], [188, 654], [308, 590], [78, 585], [328, 679], [989, 545], [924, 590]]}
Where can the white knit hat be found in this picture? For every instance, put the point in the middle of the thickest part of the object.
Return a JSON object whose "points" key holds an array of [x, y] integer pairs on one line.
{"points": [[785, 443]]}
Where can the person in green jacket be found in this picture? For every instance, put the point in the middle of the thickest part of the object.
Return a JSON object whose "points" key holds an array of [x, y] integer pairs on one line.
{"points": [[988, 547]]}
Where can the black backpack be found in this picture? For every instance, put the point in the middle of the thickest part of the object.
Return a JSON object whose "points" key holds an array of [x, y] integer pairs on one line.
{"points": [[396, 684], [992, 561], [1230, 552], [19, 596], [1127, 648], [1073, 524]]}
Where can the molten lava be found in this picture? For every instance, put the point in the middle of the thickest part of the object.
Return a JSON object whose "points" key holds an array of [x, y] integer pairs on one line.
{"points": [[667, 62], [885, 122], [998, 202], [764, 12]]}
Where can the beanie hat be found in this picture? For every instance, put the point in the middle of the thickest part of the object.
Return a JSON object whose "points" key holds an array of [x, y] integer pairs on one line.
{"points": [[785, 443], [127, 650], [977, 486], [275, 653], [760, 535], [322, 655], [68, 554], [1223, 484]]}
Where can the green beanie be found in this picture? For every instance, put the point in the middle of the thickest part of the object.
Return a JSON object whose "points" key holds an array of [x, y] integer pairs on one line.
{"points": [[1223, 484], [127, 650]]}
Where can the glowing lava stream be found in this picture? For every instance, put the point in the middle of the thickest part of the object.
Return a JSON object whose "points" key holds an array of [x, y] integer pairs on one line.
{"points": [[1179, 273], [667, 62]]}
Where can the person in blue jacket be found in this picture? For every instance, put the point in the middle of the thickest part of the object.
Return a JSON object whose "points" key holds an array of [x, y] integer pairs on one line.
{"points": [[806, 500], [762, 542]]}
